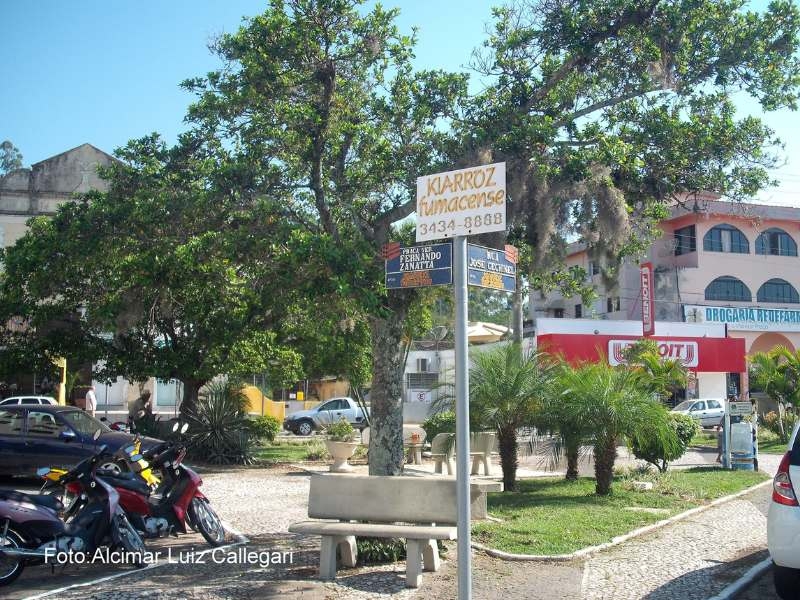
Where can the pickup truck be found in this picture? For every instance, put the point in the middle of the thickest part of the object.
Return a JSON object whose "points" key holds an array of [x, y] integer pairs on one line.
{"points": [[305, 422]]}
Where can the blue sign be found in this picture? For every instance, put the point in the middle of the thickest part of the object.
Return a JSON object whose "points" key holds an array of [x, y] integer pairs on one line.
{"points": [[420, 266], [490, 268]]}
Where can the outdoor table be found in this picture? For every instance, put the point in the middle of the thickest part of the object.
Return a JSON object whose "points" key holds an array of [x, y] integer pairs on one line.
{"points": [[414, 453]]}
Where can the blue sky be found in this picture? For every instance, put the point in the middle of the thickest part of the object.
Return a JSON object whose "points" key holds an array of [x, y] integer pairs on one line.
{"points": [[105, 71]]}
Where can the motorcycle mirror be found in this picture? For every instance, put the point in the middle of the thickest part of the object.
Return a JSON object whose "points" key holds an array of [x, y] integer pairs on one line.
{"points": [[96, 435], [42, 471], [184, 428]]}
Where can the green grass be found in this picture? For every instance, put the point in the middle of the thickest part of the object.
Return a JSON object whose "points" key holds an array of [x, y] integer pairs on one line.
{"points": [[704, 438], [554, 516], [770, 443], [282, 453]]}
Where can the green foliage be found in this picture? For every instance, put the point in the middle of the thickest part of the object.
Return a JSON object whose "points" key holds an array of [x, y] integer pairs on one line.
{"points": [[316, 451], [770, 421], [10, 157], [660, 452], [340, 431], [219, 431], [375, 551], [265, 427], [604, 404], [442, 422]]}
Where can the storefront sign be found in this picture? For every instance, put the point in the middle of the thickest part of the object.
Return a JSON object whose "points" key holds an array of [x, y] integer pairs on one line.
{"points": [[648, 306], [745, 318], [464, 202], [702, 354], [420, 266], [685, 351]]}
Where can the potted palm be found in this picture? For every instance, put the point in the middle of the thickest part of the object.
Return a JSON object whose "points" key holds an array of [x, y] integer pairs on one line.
{"points": [[340, 442]]}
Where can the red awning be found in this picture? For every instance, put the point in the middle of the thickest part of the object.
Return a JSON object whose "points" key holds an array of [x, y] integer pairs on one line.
{"points": [[707, 355]]}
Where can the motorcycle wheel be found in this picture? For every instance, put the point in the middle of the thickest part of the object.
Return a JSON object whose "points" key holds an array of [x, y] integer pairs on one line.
{"points": [[207, 521], [10, 568], [128, 538]]}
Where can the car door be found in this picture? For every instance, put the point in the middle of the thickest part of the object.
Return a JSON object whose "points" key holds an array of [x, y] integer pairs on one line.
{"points": [[12, 440], [50, 442], [714, 413], [698, 411], [330, 412]]}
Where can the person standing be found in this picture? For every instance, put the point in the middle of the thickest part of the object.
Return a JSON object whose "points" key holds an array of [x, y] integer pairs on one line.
{"points": [[91, 401]]}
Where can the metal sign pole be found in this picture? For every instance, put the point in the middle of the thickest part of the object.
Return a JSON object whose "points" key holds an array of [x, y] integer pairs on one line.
{"points": [[462, 419]]}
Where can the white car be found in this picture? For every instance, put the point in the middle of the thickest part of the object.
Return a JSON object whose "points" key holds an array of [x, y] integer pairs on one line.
{"points": [[783, 523], [15, 400], [709, 411]]}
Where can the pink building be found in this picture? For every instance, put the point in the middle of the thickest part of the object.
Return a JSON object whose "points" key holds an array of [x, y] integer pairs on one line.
{"points": [[718, 262]]}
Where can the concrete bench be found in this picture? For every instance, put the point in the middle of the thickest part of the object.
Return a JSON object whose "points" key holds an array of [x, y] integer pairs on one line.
{"points": [[420, 510], [481, 447]]}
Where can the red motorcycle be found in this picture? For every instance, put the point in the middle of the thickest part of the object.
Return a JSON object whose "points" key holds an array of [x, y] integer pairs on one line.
{"points": [[176, 502]]}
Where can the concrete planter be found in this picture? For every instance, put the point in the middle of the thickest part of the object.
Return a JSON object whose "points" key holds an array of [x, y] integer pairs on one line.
{"points": [[340, 451]]}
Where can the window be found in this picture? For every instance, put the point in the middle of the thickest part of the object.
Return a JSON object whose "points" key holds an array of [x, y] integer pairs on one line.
{"points": [[422, 381], [685, 240], [612, 304], [728, 288], [776, 242], [698, 406], [42, 424], [334, 405], [778, 290], [29, 401], [593, 269], [10, 423], [578, 311], [714, 404], [558, 313], [726, 238]]}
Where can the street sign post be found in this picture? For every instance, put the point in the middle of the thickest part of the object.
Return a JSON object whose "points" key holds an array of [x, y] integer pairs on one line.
{"points": [[420, 266], [454, 205]]}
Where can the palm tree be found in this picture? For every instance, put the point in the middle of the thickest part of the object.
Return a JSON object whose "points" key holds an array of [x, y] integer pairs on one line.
{"points": [[611, 403], [506, 391], [777, 372]]}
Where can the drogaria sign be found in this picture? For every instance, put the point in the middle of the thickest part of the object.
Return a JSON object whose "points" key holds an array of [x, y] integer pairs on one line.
{"points": [[687, 352]]}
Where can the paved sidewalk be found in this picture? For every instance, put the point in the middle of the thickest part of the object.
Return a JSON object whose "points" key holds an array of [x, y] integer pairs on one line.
{"points": [[694, 558]]}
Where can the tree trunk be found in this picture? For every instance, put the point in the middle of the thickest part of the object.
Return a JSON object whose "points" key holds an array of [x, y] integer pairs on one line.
{"points": [[386, 431], [572, 447], [507, 445], [605, 453], [191, 389]]}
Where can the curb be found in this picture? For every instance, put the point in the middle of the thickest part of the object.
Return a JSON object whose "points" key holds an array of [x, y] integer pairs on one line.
{"points": [[737, 586], [589, 550]]}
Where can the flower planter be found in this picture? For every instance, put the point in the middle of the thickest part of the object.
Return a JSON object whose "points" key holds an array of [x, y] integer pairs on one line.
{"points": [[340, 451]]}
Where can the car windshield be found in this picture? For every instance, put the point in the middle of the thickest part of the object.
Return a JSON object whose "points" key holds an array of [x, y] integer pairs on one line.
{"points": [[685, 405], [83, 423]]}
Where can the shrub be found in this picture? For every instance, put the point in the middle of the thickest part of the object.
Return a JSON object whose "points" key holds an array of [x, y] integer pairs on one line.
{"points": [[265, 427], [770, 422], [443, 422], [219, 431], [660, 453], [316, 451], [379, 550], [340, 431]]}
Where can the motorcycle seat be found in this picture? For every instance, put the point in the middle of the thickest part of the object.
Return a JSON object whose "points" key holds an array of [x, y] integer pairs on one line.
{"points": [[46, 500], [127, 481]]}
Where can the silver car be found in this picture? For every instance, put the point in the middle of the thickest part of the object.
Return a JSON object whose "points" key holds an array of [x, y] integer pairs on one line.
{"points": [[709, 411]]}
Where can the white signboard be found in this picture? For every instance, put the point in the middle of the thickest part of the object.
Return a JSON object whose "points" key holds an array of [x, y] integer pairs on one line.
{"points": [[687, 352], [459, 203], [737, 409], [745, 318], [425, 396]]}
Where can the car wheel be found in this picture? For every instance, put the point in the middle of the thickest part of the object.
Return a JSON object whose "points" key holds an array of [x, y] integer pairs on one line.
{"points": [[787, 582], [305, 428]]}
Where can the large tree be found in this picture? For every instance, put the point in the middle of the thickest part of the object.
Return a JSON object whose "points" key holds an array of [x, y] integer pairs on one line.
{"points": [[10, 157], [320, 103], [606, 110], [172, 273]]}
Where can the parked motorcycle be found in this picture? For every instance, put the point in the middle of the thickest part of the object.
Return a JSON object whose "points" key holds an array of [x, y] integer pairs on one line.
{"points": [[162, 506], [31, 531]]}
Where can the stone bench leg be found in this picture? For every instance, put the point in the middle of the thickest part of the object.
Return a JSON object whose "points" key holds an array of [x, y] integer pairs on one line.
{"points": [[327, 554], [487, 464], [430, 556], [476, 465], [413, 563]]}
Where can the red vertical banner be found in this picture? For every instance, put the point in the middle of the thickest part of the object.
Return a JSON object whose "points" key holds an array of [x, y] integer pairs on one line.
{"points": [[648, 301]]}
